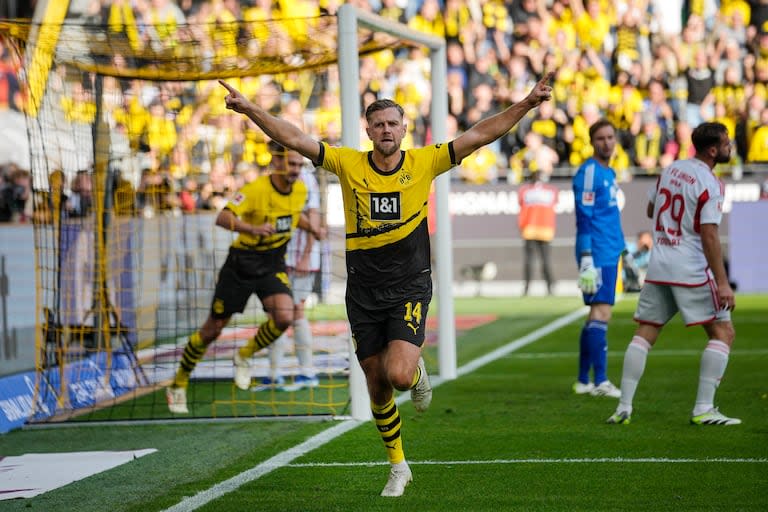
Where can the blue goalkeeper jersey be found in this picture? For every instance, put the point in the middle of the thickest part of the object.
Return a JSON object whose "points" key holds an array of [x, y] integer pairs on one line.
{"points": [[598, 219]]}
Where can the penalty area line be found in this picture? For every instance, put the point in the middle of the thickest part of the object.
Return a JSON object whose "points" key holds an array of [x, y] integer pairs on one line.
{"points": [[596, 460], [286, 458]]}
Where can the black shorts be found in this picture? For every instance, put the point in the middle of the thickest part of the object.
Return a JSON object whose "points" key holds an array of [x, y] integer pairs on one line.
{"points": [[245, 273], [379, 315]]}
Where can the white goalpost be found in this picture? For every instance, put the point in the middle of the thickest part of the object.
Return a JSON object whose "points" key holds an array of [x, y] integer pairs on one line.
{"points": [[350, 19], [121, 286]]}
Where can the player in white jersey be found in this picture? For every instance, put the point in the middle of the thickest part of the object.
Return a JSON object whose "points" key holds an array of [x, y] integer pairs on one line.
{"points": [[302, 262], [686, 273]]}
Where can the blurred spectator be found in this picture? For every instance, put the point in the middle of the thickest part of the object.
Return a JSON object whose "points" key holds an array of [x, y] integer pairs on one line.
{"points": [[80, 202], [701, 80], [625, 106], [649, 144], [205, 200], [391, 10], [155, 193], [480, 167], [189, 195], [535, 157], [656, 105], [124, 197], [15, 195], [162, 19], [10, 94], [522, 13], [758, 144], [429, 19], [122, 24], [50, 205]]}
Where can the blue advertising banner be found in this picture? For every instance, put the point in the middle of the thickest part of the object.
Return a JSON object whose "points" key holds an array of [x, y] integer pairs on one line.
{"points": [[85, 387]]}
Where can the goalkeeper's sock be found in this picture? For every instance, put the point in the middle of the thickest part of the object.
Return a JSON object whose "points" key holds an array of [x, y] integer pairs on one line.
{"points": [[267, 333], [598, 349], [634, 367], [714, 360], [193, 353], [584, 359], [387, 419]]}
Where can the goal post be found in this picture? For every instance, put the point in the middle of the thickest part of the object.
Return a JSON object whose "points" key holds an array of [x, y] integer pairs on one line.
{"points": [[350, 20], [123, 280]]}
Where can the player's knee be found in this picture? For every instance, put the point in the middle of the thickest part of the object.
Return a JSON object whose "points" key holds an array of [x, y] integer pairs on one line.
{"points": [[728, 334], [400, 380], [283, 320], [212, 329], [722, 331]]}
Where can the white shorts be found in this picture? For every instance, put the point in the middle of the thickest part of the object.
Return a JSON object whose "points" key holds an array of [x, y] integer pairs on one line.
{"points": [[301, 286], [698, 305]]}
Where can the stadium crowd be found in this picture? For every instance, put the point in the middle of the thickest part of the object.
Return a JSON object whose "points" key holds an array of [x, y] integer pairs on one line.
{"points": [[654, 68]]}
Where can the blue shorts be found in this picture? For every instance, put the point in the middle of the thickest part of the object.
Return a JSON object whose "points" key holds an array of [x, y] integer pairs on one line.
{"points": [[606, 286]]}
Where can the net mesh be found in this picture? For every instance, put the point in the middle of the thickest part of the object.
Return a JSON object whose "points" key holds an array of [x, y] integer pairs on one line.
{"points": [[125, 270]]}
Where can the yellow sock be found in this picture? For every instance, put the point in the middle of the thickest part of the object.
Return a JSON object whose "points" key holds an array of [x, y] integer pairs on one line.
{"points": [[193, 353], [416, 377], [266, 334], [387, 419]]}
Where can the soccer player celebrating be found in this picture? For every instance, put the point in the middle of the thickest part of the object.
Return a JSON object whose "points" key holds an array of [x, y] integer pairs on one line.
{"points": [[302, 260], [599, 244], [264, 212], [389, 287], [686, 273]]}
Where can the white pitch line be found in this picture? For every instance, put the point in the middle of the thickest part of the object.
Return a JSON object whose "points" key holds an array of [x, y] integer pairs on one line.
{"points": [[285, 458], [280, 460], [597, 460], [521, 342]]}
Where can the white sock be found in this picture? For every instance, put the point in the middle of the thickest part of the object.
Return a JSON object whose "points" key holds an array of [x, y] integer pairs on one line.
{"points": [[302, 338], [276, 356], [714, 359], [634, 367]]}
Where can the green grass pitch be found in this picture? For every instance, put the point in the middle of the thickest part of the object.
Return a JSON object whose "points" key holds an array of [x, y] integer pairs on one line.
{"points": [[507, 436]]}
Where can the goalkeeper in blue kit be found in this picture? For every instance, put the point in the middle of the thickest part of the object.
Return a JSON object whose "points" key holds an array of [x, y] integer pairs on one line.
{"points": [[599, 245]]}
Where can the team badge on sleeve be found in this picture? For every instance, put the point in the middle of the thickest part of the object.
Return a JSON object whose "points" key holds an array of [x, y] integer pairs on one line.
{"points": [[237, 199], [588, 198]]}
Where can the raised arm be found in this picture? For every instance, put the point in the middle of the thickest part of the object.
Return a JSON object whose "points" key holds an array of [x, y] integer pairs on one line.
{"points": [[280, 130], [491, 128]]}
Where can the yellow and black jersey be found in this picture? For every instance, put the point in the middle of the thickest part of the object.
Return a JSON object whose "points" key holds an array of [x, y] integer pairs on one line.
{"points": [[260, 202], [386, 211]]}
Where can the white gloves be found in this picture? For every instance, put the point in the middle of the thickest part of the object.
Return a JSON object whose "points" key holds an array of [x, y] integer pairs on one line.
{"points": [[587, 275]]}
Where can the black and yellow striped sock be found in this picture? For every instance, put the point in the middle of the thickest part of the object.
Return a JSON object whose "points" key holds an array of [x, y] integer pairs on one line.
{"points": [[387, 419], [267, 333], [416, 377], [193, 353]]}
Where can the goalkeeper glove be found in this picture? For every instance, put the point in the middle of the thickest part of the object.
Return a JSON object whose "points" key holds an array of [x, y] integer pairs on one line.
{"points": [[587, 275]]}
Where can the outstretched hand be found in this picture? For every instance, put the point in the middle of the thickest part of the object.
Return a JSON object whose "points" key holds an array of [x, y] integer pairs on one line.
{"points": [[542, 91], [235, 99]]}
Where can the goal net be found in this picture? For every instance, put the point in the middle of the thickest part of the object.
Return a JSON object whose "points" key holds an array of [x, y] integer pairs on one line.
{"points": [[132, 153]]}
